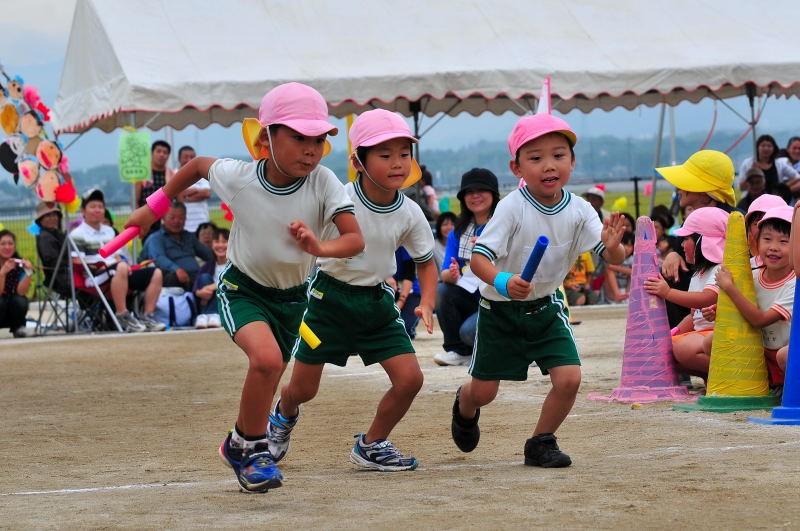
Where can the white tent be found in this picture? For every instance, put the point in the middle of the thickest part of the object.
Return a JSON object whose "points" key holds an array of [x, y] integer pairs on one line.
{"points": [[158, 63]]}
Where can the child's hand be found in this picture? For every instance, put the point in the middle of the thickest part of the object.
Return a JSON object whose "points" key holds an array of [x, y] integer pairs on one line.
{"points": [[518, 288], [657, 286], [724, 279], [673, 265], [612, 232], [142, 217], [393, 283], [426, 314], [305, 238], [709, 312], [455, 270]]}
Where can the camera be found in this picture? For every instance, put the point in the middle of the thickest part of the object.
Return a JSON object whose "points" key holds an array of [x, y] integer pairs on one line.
{"points": [[19, 262]]}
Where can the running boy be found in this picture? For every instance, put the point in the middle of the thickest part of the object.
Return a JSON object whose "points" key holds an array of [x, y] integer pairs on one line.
{"points": [[262, 291], [351, 308], [534, 326], [774, 283]]}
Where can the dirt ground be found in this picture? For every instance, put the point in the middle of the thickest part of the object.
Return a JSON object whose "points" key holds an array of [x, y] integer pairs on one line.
{"points": [[121, 431]]}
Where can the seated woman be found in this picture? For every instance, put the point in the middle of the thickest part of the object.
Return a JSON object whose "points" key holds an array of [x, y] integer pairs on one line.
{"points": [[49, 245], [205, 286], [15, 279]]}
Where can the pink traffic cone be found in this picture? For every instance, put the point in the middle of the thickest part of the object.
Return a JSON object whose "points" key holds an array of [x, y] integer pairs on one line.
{"points": [[648, 368]]}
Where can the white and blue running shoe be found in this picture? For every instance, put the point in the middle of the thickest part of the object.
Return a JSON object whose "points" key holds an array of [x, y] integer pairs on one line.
{"points": [[380, 455]]}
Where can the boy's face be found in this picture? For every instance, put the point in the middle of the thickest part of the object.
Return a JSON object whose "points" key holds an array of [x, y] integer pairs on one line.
{"points": [[160, 156], [773, 247], [545, 164], [220, 247], [295, 154], [94, 212], [388, 165]]}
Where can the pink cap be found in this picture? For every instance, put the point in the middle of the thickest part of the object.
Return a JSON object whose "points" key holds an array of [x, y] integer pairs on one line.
{"points": [[711, 223], [531, 127], [297, 106], [763, 203], [376, 126], [784, 212]]}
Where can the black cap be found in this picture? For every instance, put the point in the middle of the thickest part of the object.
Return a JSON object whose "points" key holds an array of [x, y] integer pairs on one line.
{"points": [[478, 179], [95, 194]]}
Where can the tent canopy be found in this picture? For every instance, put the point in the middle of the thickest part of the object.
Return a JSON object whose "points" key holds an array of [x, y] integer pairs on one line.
{"points": [[157, 63]]}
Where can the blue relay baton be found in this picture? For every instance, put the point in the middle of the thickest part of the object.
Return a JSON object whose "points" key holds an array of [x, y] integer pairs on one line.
{"points": [[535, 258]]}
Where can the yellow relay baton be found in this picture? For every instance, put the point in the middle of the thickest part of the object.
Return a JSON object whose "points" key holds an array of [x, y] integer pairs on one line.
{"points": [[309, 336]]}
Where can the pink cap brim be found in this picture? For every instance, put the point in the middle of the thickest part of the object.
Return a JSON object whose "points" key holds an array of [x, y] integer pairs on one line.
{"points": [[310, 127]]}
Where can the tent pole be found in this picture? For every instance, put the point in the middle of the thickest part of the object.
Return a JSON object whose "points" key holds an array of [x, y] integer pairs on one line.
{"points": [[751, 95], [657, 160], [415, 108]]}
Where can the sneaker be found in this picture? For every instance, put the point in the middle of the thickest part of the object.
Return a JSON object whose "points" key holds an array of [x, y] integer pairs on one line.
{"points": [[279, 431], [152, 324], [255, 470], [543, 451], [466, 433], [451, 358], [201, 321], [380, 455], [130, 323], [214, 321]]}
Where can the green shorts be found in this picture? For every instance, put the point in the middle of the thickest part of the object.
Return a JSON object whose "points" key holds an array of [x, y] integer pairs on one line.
{"points": [[511, 335], [242, 300], [352, 320]]}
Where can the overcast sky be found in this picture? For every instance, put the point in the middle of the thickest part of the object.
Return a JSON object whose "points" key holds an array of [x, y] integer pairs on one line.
{"points": [[33, 43]]}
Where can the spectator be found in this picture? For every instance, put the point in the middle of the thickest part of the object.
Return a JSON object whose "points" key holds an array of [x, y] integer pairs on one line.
{"points": [[445, 223], [429, 192], [779, 175], [108, 219], [15, 278], [577, 285], [89, 237], [196, 196], [159, 175], [618, 277], [205, 287], [596, 196], [793, 152], [628, 222], [458, 295], [407, 291], [205, 233], [175, 250], [49, 245]]}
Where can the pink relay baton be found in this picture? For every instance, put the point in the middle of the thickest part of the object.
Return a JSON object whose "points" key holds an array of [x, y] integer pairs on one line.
{"points": [[121, 240]]}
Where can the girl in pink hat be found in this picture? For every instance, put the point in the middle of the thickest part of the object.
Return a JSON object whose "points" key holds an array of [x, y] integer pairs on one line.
{"points": [[351, 307], [704, 244], [774, 282], [281, 201]]}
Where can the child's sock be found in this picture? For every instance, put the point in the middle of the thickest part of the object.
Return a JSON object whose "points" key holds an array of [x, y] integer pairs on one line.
{"points": [[238, 440]]}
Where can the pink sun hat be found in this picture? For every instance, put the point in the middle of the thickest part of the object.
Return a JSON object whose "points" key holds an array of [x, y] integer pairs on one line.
{"points": [[711, 223], [531, 127], [379, 125], [763, 203], [784, 212], [294, 105]]}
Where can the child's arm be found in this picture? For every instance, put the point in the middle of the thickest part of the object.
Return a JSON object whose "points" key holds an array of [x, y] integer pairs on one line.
{"points": [[349, 243], [619, 269], [754, 315], [611, 286], [193, 171], [688, 299], [686, 325], [428, 279], [486, 271], [611, 236]]}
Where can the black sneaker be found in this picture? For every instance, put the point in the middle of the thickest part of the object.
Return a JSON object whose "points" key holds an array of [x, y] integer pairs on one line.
{"points": [[543, 451], [466, 433]]}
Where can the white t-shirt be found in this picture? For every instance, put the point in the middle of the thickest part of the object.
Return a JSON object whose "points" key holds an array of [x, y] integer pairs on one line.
{"points": [[572, 226], [385, 228], [89, 240], [778, 296], [260, 244], [197, 211], [698, 283]]}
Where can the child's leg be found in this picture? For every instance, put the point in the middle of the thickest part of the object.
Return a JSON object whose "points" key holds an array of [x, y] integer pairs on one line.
{"points": [[406, 378], [566, 380], [690, 352], [782, 357], [264, 372], [475, 394], [302, 387]]}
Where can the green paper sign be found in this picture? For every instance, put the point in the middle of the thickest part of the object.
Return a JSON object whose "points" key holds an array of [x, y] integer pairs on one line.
{"points": [[134, 156]]}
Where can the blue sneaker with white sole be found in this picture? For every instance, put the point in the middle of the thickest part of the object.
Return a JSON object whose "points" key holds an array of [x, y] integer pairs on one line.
{"points": [[255, 470]]}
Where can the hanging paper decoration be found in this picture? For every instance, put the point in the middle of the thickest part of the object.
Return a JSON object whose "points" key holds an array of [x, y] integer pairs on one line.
{"points": [[27, 153]]}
